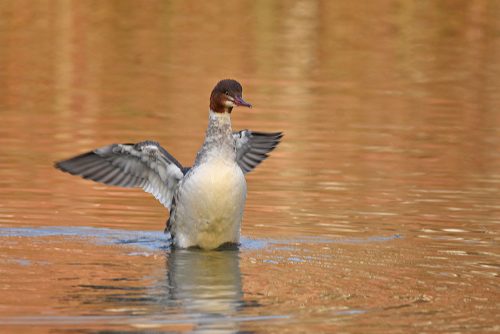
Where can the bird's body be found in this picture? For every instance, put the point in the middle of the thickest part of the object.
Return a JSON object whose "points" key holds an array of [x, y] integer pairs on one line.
{"points": [[206, 201], [211, 197]]}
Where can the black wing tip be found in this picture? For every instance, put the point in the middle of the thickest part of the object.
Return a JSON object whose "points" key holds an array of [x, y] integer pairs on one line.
{"points": [[60, 165], [64, 165], [277, 135], [273, 138]]}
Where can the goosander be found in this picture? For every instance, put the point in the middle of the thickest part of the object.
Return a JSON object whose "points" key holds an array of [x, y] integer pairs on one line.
{"points": [[206, 201]]}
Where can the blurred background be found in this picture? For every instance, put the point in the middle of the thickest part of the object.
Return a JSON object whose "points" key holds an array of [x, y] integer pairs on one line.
{"points": [[391, 117], [394, 88]]}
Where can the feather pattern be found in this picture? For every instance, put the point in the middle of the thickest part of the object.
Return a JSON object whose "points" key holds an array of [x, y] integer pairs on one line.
{"points": [[144, 165], [253, 147]]}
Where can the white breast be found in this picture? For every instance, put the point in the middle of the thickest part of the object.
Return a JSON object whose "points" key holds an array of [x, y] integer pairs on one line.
{"points": [[210, 205]]}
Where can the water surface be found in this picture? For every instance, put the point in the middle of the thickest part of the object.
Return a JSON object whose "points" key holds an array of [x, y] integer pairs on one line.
{"points": [[379, 212]]}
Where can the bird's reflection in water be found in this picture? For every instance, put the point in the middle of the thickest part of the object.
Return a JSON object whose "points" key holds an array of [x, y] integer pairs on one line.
{"points": [[202, 288], [208, 284]]}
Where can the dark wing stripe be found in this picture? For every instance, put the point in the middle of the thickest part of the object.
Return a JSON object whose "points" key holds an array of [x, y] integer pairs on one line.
{"points": [[146, 165], [249, 162], [261, 150], [110, 177], [79, 169], [86, 166], [93, 172], [125, 180], [255, 157], [264, 146], [253, 147], [116, 178]]}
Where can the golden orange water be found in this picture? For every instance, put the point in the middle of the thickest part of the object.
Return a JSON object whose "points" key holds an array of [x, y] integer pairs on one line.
{"points": [[379, 212]]}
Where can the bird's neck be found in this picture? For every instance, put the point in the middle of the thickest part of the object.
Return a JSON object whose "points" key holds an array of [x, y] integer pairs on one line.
{"points": [[219, 137]]}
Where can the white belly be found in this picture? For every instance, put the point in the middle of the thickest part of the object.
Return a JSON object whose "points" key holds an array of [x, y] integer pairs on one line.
{"points": [[210, 205]]}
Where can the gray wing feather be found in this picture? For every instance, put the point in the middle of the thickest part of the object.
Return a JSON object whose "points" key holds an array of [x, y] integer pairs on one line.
{"points": [[144, 165], [253, 147]]}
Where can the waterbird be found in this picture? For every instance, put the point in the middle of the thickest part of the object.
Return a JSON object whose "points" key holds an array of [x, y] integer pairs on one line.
{"points": [[205, 201]]}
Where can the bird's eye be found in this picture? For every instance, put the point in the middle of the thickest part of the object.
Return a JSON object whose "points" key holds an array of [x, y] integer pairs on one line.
{"points": [[226, 92]]}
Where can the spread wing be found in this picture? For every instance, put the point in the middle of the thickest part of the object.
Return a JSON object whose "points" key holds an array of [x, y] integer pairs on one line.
{"points": [[145, 165], [253, 147]]}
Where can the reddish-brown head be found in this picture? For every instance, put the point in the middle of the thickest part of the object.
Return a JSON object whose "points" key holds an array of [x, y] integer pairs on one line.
{"points": [[226, 95]]}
